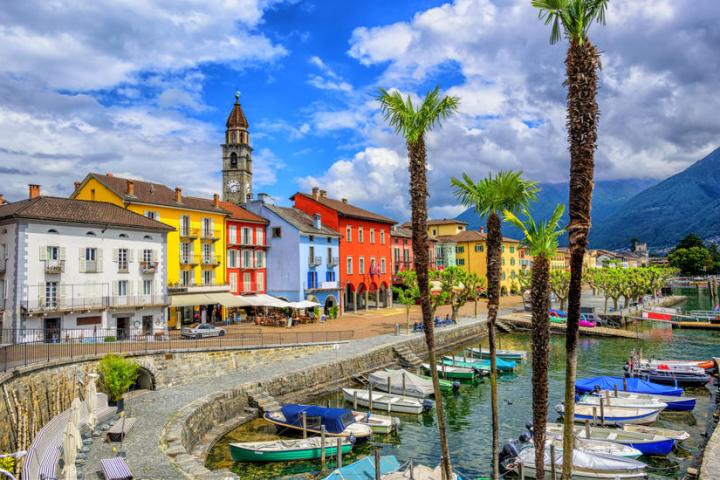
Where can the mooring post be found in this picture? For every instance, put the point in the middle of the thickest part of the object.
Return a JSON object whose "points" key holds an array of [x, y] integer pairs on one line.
{"points": [[624, 384], [602, 411], [355, 400], [370, 405], [552, 461], [587, 429], [322, 447], [520, 471], [594, 415], [412, 470], [304, 423], [616, 390], [403, 385], [339, 452], [378, 472], [388, 385]]}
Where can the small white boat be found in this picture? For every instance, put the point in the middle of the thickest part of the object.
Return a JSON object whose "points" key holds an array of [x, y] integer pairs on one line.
{"points": [[585, 466], [382, 424], [598, 446], [619, 401], [673, 403], [613, 415], [677, 435], [386, 402], [401, 382], [418, 472], [647, 443], [520, 355]]}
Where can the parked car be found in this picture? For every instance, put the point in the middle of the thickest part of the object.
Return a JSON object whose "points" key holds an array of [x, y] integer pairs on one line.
{"points": [[202, 330]]}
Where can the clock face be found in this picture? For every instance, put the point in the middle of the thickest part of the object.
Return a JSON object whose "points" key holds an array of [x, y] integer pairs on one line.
{"points": [[233, 186]]}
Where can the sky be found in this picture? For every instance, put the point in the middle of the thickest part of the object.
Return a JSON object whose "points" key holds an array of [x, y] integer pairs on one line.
{"points": [[142, 88]]}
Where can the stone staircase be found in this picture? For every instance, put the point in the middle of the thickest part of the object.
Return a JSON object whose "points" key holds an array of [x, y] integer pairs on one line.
{"points": [[407, 357], [503, 327], [260, 398]]}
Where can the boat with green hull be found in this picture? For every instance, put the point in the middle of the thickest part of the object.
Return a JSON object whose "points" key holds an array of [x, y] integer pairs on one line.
{"points": [[445, 385], [480, 365], [453, 373], [286, 450]]}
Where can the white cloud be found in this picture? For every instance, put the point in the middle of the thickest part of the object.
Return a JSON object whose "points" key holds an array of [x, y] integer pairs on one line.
{"points": [[327, 79], [266, 166]]}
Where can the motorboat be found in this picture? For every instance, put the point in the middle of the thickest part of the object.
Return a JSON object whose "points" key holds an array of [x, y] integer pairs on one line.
{"points": [[338, 422]]}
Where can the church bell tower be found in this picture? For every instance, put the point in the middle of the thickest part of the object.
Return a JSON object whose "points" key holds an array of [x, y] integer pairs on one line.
{"points": [[237, 157]]}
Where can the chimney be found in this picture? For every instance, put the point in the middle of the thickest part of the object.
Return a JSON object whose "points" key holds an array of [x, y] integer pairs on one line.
{"points": [[216, 200], [131, 188], [109, 174], [315, 193], [178, 194], [33, 190], [481, 229], [77, 185], [344, 200], [323, 194], [264, 198]]}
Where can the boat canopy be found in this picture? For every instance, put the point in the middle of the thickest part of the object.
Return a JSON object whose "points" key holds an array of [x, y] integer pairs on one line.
{"points": [[637, 385], [335, 420]]}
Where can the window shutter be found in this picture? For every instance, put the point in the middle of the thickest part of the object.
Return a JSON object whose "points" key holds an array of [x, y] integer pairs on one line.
{"points": [[131, 255], [63, 291], [115, 288], [61, 253], [115, 255], [41, 295], [99, 260], [154, 255], [81, 257], [43, 253]]}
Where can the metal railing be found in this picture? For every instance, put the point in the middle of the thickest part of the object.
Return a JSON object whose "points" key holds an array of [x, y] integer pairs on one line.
{"points": [[189, 233], [210, 234], [314, 261], [3, 262], [54, 266], [95, 302], [148, 267], [208, 260], [39, 346], [333, 261]]}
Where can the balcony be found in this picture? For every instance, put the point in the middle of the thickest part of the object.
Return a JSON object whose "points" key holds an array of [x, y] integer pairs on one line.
{"points": [[136, 301], [315, 261], [54, 266], [333, 261], [209, 235], [187, 233], [321, 286], [3, 263], [148, 267], [208, 260], [189, 260]]}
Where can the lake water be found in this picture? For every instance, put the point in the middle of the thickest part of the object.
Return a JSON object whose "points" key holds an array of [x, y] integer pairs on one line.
{"points": [[468, 412]]}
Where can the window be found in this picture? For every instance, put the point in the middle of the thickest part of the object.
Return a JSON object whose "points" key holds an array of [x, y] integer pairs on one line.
{"points": [[460, 249], [434, 233], [207, 226], [184, 226], [260, 281], [512, 274], [503, 261], [276, 232], [360, 235], [233, 160], [208, 253], [152, 215], [185, 252], [372, 235], [259, 259], [246, 236], [123, 235], [312, 279], [208, 277], [51, 289], [349, 266], [396, 254], [52, 230], [382, 237], [232, 234], [382, 265], [512, 261], [122, 288], [311, 238], [311, 255], [233, 282], [512, 249], [361, 266], [147, 237], [147, 287], [503, 249], [460, 261], [373, 267], [91, 234], [147, 255], [329, 276], [329, 239], [503, 276], [92, 194], [247, 259], [122, 259], [479, 248], [186, 278], [90, 254], [53, 253], [247, 282], [460, 227], [259, 236], [232, 259], [348, 233], [406, 255]]}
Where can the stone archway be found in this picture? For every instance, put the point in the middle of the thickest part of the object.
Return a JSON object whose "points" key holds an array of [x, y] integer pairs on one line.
{"points": [[144, 381], [362, 297], [384, 294], [330, 302]]}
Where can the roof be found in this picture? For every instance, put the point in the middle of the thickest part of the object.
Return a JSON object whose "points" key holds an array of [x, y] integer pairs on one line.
{"points": [[237, 119], [154, 193], [348, 210], [78, 211], [439, 221], [401, 232], [239, 213], [300, 220], [474, 236]]}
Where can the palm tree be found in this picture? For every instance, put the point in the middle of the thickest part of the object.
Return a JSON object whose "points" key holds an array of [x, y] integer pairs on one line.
{"points": [[582, 62], [413, 123], [490, 196], [541, 240]]}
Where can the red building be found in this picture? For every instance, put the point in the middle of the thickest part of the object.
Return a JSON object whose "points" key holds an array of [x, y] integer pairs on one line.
{"points": [[365, 254], [402, 253], [246, 247]]}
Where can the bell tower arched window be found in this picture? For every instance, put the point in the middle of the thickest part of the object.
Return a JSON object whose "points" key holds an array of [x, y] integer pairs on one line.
{"points": [[233, 160]]}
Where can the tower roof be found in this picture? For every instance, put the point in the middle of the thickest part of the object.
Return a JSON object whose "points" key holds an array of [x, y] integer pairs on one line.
{"points": [[237, 116]]}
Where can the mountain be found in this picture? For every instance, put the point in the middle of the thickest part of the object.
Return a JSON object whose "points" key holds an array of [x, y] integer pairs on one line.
{"points": [[688, 202], [607, 197]]}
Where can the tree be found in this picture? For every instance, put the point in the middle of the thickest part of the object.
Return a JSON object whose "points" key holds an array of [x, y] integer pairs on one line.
{"points": [[573, 18], [542, 242], [506, 191], [408, 294], [117, 375], [689, 241], [691, 261], [412, 124], [457, 287], [560, 285]]}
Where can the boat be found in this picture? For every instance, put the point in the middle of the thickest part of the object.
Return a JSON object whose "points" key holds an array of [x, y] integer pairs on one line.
{"points": [[557, 320], [511, 448], [338, 422], [706, 365], [670, 375], [648, 443], [418, 472], [286, 450], [480, 365], [612, 401], [637, 385], [613, 415], [401, 382], [365, 469], [677, 435], [382, 424], [514, 355], [387, 402], [445, 385], [458, 373], [585, 465], [674, 404], [586, 323]]}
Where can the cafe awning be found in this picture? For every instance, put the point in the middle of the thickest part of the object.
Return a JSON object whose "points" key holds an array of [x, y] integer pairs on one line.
{"points": [[227, 300], [190, 299]]}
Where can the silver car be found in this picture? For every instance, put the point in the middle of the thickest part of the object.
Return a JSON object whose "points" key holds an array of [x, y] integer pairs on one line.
{"points": [[202, 330]]}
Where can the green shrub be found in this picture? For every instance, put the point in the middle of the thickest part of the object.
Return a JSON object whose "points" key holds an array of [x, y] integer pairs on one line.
{"points": [[117, 374], [333, 311], [109, 339]]}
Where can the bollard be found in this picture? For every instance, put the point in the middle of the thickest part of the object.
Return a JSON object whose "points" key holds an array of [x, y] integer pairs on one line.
{"points": [[388, 385], [397, 329], [339, 452], [370, 405], [624, 384], [520, 471], [403, 383], [616, 390], [587, 429]]}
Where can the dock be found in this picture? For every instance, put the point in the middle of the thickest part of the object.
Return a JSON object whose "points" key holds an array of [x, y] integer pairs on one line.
{"points": [[523, 321]]}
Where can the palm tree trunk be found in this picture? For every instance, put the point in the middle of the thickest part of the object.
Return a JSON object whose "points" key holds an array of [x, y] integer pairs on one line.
{"points": [[540, 295], [581, 64], [494, 245], [418, 200]]}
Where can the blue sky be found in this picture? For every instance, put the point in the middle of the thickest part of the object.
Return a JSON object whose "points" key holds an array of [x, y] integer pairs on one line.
{"points": [[142, 88]]}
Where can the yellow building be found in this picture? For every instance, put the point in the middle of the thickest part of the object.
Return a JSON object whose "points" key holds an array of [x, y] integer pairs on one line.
{"points": [[471, 254], [561, 259], [445, 227], [195, 249]]}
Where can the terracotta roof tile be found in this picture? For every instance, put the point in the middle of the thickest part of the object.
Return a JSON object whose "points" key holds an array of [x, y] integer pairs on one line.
{"points": [[440, 221], [474, 236], [239, 213], [301, 220], [401, 232], [348, 210], [237, 117]]}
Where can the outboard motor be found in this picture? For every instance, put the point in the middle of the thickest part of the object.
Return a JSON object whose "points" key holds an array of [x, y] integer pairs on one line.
{"points": [[530, 428], [456, 386], [428, 404], [513, 448]]}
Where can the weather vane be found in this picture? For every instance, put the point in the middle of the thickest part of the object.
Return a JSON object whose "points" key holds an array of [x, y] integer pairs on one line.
{"points": [[237, 95]]}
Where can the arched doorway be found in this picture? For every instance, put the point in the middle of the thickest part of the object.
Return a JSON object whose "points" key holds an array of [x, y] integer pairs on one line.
{"points": [[350, 301], [330, 302], [362, 297], [384, 294], [144, 381]]}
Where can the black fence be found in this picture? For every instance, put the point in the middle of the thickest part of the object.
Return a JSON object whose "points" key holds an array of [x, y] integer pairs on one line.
{"points": [[44, 346]]}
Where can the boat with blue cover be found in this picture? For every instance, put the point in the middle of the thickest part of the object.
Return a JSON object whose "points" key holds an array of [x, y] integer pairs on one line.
{"points": [[637, 385], [338, 422], [674, 404], [365, 469], [648, 443]]}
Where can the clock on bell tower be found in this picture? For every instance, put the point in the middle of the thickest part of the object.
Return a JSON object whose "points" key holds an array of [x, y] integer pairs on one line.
{"points": [[237, 157]]}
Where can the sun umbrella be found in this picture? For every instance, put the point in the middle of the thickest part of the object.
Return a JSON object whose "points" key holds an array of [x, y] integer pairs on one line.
{"points": [[70, 441], [91, 399], [75, 420]]}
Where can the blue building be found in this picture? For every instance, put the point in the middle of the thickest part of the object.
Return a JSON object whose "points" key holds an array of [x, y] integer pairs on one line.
{"points": [[303, 258]]}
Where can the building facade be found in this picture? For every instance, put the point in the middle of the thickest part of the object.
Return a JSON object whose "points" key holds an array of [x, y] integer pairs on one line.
{"points": [[365, 248], [237, 157], [246, 247], [79, 269], [303, 255], [402, 254], [471, 255]]}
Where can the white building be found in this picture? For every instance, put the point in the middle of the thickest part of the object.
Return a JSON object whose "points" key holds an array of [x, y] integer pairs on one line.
{"points": [[73, 268]]}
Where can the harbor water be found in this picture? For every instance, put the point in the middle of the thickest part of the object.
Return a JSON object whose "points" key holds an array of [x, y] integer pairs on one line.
{"points": [[468, 411]]}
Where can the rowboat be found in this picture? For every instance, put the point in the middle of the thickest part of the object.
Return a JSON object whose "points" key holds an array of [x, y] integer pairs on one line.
{"points": [[445, 385], [652, 362], [612, 401], [613, 415], [515, 355], [286, 450], [401, 382], [557, 320], [677, 435], [513, 447], [382, 424], [647, 443], [338, 422], [677, 376], [637, 385], [418, 472], [365, 468], [484, 364], [585, 465], [386, 402], [674, 404], [459, 373]]}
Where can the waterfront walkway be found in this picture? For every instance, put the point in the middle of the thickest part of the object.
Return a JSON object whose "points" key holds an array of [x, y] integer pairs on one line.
{"points": [[155, 408]]}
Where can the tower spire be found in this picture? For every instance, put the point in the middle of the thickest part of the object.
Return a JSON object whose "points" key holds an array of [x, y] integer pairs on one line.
{"points": [[237, 156]]}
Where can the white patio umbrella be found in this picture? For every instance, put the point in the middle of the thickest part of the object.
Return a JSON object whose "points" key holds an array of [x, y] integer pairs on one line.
{"points": [[91, 399], [74, 422], [70, 440]]}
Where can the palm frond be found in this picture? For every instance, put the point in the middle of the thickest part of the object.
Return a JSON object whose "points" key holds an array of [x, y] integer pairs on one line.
{"points": [[571, 17], [541, 238]]}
